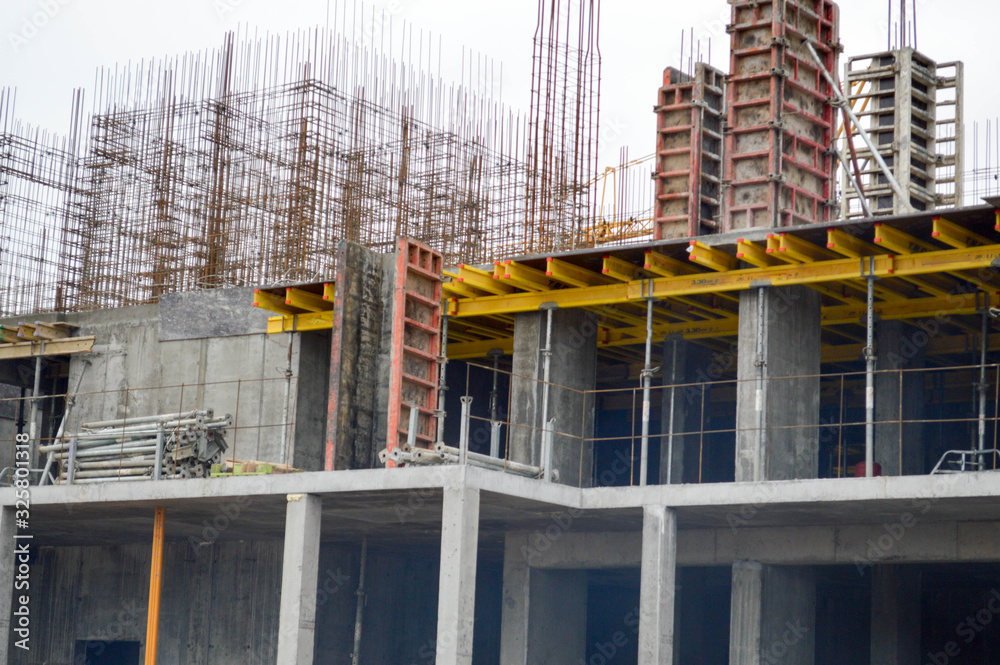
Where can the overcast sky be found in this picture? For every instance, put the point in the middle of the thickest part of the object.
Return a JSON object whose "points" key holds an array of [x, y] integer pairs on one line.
{"points": [[50, 47]]}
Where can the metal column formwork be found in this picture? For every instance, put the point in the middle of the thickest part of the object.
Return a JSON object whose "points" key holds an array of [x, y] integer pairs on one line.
{"points": [[689, 118], [912, 108], [779, 166]]}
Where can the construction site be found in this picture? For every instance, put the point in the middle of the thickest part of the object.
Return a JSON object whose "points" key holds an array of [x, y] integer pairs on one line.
{"points": [[311, 356]]}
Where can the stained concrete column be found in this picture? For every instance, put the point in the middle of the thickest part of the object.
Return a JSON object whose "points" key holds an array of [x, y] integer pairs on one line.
{"points": [[773, 615], [777, 419], [299, 580], [684, 363], [899, 448], [657, 586], [8, 568], [544, 611], [457, 585], [895, 635], [573, 369]]}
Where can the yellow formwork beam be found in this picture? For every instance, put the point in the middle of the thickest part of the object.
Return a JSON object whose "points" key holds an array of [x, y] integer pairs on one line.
{"points": [[754, 254], [666, 266], [710, 257], [479, 348], [458, 289], [802, 250], [521, 276], [623, 271], [300, 322], [272, 303], [304, 300], [482, 280], [900, 241], [822, 272], [571, 275], [956, 236]]}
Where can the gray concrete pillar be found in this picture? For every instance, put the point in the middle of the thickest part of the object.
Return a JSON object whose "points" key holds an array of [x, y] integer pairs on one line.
{"points": [[8, 568], [899, 398], [299, 580], [457, 584], [573, 369], [777, 423], [516, 597], [684, 363], [657, 586], [773, 615], [895, 636], [544, 611]]}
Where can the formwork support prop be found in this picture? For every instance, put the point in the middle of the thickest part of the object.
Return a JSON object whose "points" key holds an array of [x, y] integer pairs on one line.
{"points": [[647, 376], [982, 387], [546, 445], [761, 392], [495, 354], [673, 405], [870, 363], [155, 586]]}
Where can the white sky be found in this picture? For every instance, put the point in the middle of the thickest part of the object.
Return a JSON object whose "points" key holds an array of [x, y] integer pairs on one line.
{"points": [[639, 39]]}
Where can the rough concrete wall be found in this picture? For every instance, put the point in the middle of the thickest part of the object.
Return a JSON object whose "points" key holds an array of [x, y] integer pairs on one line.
{"points": [[145, 361], [790, 445], [219, 606], [354, 370], [557, 624], [311, 394], [573, 369], [693, 365]]}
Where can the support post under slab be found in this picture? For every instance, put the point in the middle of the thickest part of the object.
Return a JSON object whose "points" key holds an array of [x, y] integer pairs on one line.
{"points": [[647, 377], [8, 566], [657, 586], [457, 592], [870, 374], [299, 580], [155, 587]]}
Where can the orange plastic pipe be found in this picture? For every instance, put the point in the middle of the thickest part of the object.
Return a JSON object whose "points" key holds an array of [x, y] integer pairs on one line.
{"points": [[155, 584]]}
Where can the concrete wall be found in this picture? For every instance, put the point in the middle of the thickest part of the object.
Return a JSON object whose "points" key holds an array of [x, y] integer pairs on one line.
{"points": [[206, 349]]}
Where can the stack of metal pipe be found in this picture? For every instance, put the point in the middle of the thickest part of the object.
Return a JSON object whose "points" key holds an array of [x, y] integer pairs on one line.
{"points": [[173, 445]]}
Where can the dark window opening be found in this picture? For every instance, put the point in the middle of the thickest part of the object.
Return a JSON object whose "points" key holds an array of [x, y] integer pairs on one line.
{"points": [[100, 652]]}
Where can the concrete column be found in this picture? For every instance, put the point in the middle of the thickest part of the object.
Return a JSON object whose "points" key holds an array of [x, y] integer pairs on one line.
{"points": [[457, 585], [574, 366], [544, 611], [516, 601], [8, 568], [657, 586], [773, 615], [895, 636], [777, 427], [693, 365], [299, 580], [899, 449]]}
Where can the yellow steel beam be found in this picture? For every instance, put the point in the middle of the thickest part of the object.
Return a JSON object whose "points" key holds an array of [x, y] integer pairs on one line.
{"points": [[300, 322], [8, 335], [754, 254], [956, 236], [482, 280], [802, 250], [51, 330], [623, 271], [44, 348], [521, 276], [571, 275], [916, 308], [688, 329], [666, 266], [304, 300], [272, 303], [710, 257], [479, 349], [329, 291], [900, 241], [458, 289], [735, 280], [846, 244]]}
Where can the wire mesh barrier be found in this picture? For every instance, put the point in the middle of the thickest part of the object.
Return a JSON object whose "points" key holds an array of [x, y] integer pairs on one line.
{"points": [[926, 420], [74, 443]]}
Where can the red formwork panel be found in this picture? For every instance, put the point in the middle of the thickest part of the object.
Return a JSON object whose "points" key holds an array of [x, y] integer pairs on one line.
{"points": [[779, 165], [416, 344], [689, 118]]}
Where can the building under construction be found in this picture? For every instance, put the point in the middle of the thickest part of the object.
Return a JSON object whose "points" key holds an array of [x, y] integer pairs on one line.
{"points": [[309, 357]]}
